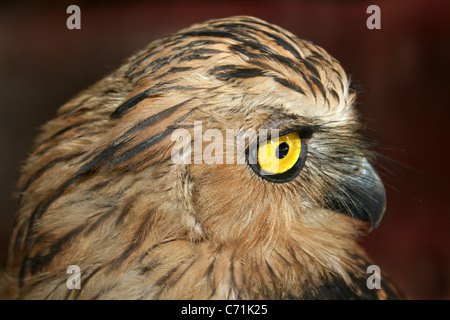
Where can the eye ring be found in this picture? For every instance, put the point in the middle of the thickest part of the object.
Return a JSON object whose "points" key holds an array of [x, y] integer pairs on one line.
{"points": [[284, 172]]}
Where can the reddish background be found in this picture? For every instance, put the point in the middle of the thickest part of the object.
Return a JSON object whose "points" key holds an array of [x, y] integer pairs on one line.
{"points": [[402, 70]]}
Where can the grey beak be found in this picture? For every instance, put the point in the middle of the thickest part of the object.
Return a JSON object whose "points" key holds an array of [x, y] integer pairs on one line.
{"points": [[361, 194]]}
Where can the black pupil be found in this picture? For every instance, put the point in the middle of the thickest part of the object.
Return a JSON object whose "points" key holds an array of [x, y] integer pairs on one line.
{"points": [[282, 150]]}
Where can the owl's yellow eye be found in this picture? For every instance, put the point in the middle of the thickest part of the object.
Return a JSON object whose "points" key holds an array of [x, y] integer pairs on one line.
{"points": [[279, 155], [280, 159]]}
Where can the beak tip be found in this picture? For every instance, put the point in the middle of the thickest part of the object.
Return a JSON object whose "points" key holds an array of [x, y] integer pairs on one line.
{"points": [[364, 196], [377, 215]]}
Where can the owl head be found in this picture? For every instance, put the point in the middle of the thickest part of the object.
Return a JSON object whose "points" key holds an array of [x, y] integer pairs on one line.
{"points": [[231, 134], [226, 97]]}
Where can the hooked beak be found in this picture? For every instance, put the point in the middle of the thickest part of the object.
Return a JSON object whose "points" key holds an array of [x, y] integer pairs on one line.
{"points": [[361, 195]]}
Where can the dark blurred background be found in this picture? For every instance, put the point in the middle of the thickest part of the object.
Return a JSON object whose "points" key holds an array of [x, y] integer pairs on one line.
{"points": [[402, 71]]}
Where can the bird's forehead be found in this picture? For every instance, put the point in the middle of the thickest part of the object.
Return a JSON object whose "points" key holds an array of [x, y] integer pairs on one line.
{"points": [[268, 61], [248, 59]]}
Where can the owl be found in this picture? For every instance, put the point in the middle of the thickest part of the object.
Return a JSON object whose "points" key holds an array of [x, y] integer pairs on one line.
{"points": [[225, 161]]}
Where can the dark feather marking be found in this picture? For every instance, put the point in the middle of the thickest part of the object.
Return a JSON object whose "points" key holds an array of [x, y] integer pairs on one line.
{"points": [[283, 258], [313, 48], [288, 84], [174, 125], [289, 47], [319, 86], [284, 44], [232, 275], [292, 253], [198, 54], [236, 48], [23, 268], [245, 277], [84, 110], [180, 69], [87, 279], [316, 56], [98, 295], [68, 112], [194, 57], [278, 40], [193, 44], [39, 261], [100, 158], [130, 103], [313, 58], [211, 280], [136, 74], [311, 68], [174, 70], [62, 131], [263, 65], [45, 204], [211, 33], [205, 51], [240, 73], [109, 288], [154, 119], [127, 207], [141, 59], [144, 255], [265, 290], [153, 66], [339, 78], [217, 69], [101, 185], [181, 274], [287, 62], [69, 128], [19, 237], [327, 101], [109, 156], [165, 277], [305, 77], [271, 272], [42, 170], [46, 149], [263, 49], [149, 93], [209, 270], [140, 147], [151, 266], [266, 53], [335, 94], [273, 28], [141, 235], [103, 217], [110, 91]]}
